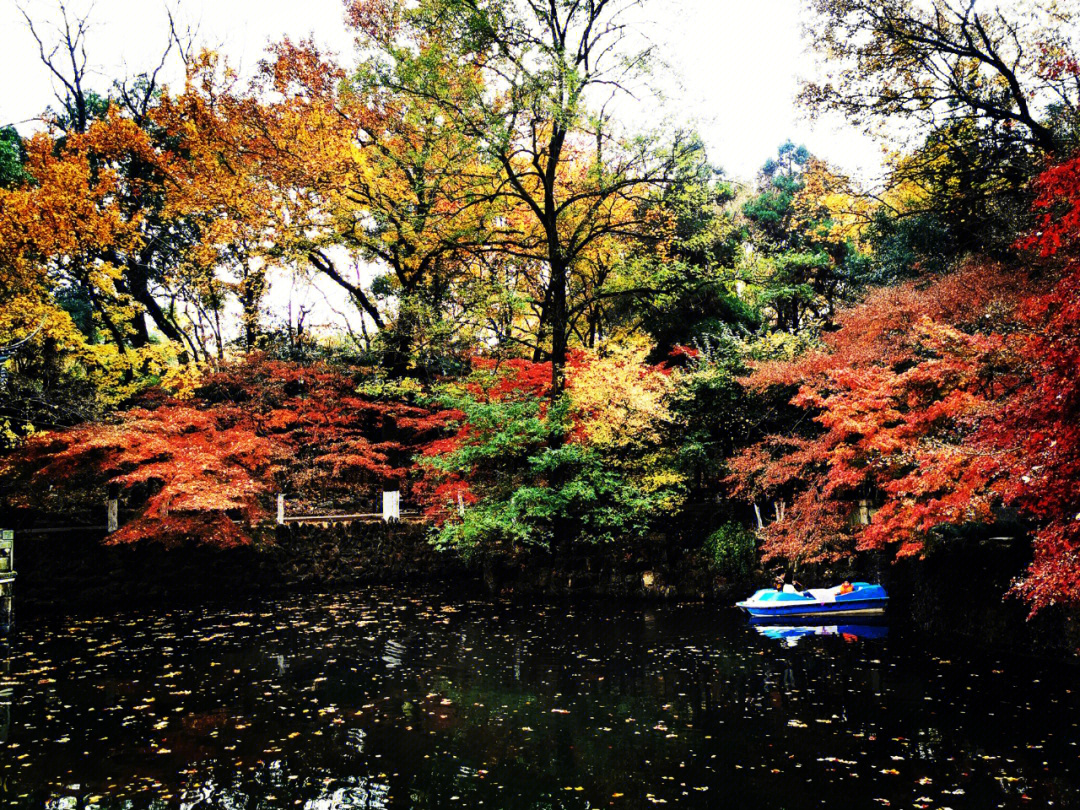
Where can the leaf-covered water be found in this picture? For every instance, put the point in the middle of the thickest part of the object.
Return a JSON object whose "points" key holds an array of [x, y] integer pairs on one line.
{"points": [[384, 699]]}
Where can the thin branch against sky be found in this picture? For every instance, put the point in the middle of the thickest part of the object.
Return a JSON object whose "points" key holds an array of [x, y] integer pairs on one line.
{"points": [[728, 66]]}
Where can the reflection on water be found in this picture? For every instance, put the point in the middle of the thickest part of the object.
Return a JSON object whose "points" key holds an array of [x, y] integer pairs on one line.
{"points": [[791, 634], [383, 700]]}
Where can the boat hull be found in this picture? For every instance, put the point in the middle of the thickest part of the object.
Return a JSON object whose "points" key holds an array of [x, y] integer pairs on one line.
{"points": [[867, 607]]}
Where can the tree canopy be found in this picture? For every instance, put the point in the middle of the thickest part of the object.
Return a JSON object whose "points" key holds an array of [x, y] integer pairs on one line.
{"points": [[556, 329]]}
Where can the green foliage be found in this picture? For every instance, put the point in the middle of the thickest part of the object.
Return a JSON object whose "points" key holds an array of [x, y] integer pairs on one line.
{"points": [[567, 493], [731, 550], [405, 389], [712, 410], [779, 345], [687, 289], [704, 233], [423, 340], [686, 302], [78, 305], [796, 269], [964, 190], [526, 474], [772, 209], [904, 247], [12, 158]]}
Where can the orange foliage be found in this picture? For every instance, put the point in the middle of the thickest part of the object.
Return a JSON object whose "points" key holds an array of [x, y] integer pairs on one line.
{"points": [[897, 396], [203, 469], [1037, 435]]}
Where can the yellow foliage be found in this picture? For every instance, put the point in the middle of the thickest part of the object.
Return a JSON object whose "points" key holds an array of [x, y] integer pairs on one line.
{"points": [[182, 380], [827, 197], [622, 400]]}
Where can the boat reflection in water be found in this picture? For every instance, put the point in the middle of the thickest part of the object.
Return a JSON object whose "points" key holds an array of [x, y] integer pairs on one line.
{"points": [[791, 634]]}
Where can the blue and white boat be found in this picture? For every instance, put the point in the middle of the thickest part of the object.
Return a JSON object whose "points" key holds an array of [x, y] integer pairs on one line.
{"points": [[858, 599]]}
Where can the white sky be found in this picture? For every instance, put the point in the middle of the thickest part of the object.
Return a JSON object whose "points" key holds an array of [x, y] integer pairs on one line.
{"points": [[735, 65], [738, 63]]}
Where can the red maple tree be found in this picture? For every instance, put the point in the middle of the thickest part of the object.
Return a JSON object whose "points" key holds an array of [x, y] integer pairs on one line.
{"points": [[937, 403], [196, 473], [1037, 436], [204, 469], [895, 397]]}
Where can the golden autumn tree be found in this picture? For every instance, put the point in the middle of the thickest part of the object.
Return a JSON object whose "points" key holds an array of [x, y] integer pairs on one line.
{"points": [[831, 206], [355, 176], [106, 147], [217, 182], [568, 175], [509, 291], [59, 230], [621, 405]]}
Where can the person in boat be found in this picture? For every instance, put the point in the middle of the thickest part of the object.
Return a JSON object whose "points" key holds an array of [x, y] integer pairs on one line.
{"points": [[787, 583]]}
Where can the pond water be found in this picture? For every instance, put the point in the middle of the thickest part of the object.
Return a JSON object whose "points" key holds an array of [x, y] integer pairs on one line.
{"points": [[383, 699]]}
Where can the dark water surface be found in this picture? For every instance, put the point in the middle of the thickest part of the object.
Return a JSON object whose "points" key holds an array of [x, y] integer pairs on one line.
{"points": [[383, 699]]}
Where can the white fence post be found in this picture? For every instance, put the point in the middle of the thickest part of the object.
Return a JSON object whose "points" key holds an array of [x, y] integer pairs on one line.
{"points": [[391, 506], [280, 509], [113, 506]]}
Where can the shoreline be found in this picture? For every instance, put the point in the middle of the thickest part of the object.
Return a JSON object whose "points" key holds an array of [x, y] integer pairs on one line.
{"points": [[69, 574]]}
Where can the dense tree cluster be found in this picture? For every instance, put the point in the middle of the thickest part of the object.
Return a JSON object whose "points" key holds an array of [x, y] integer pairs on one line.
{"points": [[592, 465], [563, 330]]}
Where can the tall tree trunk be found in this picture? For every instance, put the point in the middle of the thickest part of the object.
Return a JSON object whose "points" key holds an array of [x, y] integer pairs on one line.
{"points": [[559, 328], [400, 340], [541, 331], [252, 289], [139, 289]]}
